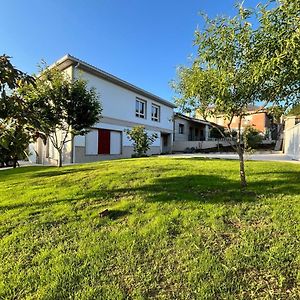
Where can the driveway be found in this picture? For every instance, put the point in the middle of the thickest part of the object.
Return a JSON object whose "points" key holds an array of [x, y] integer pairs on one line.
{"points": [[260, 156]]}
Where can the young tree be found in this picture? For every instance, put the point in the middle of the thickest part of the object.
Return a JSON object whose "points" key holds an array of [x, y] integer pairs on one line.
{"points": [[141, 140], [65, 108], [235, 68], [15, 115]]}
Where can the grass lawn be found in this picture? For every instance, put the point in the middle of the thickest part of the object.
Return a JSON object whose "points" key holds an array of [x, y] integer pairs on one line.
{"points": [[177, 229]]}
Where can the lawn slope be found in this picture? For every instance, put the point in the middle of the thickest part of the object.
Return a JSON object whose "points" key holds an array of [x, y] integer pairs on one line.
{"points": [[176, 229]]}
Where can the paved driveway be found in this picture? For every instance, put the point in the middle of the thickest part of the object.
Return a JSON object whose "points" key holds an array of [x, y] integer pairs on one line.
{"points": [[262, 157]]}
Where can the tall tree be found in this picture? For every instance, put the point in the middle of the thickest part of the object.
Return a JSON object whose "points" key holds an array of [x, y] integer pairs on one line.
{"points": [[65, 107], [15, 130], [235, 67]]}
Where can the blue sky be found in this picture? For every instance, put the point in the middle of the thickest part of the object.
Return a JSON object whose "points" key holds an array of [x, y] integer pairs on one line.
{"points": [[141, 41]]}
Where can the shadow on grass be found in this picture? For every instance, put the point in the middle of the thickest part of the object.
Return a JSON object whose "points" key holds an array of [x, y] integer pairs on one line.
{"points": [[205, 189], [115, 214], [195, 188], [200, 188], [22, 170], [34, 204]]}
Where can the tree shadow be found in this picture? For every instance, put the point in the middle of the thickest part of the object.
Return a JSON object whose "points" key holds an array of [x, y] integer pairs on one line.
{"points": [[191, 188], [204, 189], [34, 204]]}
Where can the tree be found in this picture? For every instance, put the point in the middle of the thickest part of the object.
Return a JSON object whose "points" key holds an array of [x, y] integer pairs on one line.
{"points": [[65, 108], [15, 130], [141, 140], [235, 67]]}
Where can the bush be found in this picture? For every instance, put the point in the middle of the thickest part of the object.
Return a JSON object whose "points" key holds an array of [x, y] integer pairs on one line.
{"points": [[141, 140], [251, 137]]}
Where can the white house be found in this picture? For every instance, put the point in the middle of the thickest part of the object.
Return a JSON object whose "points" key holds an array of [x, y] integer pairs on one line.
{"points": [[124, 106]]}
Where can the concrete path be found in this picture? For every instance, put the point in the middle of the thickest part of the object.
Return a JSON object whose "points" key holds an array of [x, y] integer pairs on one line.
{"points": [[260, 156]]}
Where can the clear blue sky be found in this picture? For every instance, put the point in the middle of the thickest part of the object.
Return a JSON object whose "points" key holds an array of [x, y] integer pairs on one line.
{"points": [[141, 41]]}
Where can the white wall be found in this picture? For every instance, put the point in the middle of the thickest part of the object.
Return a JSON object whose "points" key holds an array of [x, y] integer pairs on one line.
{"points": [[181, 136], [115, 142], [119, 103], [292, 142], [90, 140]]}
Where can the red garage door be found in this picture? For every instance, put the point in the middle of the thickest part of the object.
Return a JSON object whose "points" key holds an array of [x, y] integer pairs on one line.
{"points": [[103, 141]]}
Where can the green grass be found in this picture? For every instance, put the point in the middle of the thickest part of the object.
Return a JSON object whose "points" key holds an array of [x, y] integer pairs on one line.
{"points": [[177, 229]]}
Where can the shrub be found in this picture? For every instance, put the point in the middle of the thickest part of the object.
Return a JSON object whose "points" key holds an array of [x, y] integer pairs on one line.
{"points": [[141, 140]]}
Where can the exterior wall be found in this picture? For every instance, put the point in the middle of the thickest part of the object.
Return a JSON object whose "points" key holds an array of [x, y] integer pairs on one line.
{"points": [[119, 103], [86, 147], [181, 136], [292, 141], [68, 72], [291, 121], [81, 157], [259, 121], [185, 136]]}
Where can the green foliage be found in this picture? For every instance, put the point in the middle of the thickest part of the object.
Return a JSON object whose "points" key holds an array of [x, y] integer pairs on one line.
{"points": [[277, 47], [64, 108], [176, 229], [215, 133], [15, 129], [14, 141], [251, 138], [141, 140], [294, 111]]}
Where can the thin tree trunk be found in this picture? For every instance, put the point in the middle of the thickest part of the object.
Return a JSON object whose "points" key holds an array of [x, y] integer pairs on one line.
{"points": [[242, 169], [240, 151], [15, 161], [59, 162]]}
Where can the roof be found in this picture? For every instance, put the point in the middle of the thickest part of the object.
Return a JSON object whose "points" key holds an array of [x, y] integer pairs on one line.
{"points": [[182, 116], [69, 60]]}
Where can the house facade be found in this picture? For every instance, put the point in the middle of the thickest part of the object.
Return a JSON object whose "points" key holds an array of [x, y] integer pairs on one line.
{"points": [[193, 133], [124, 106], [261, 120]]}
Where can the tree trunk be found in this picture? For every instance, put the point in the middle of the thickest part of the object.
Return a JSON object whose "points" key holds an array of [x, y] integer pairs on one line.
{"points": [[59, 162], [240, 150], [15, 161], [242, 169]]}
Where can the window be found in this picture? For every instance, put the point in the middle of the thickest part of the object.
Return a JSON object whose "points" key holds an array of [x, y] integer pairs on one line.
{"points": [[155, 113], [181, 128], [140, 108]]}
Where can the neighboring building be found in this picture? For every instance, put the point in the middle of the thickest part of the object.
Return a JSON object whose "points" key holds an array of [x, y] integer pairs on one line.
{"points": [[292, 137], [124, 106], [262, 121], [193, 133]]}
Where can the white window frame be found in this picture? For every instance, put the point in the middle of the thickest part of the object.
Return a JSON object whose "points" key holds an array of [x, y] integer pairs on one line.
{"points": [[138, 103], [153, 118]]}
